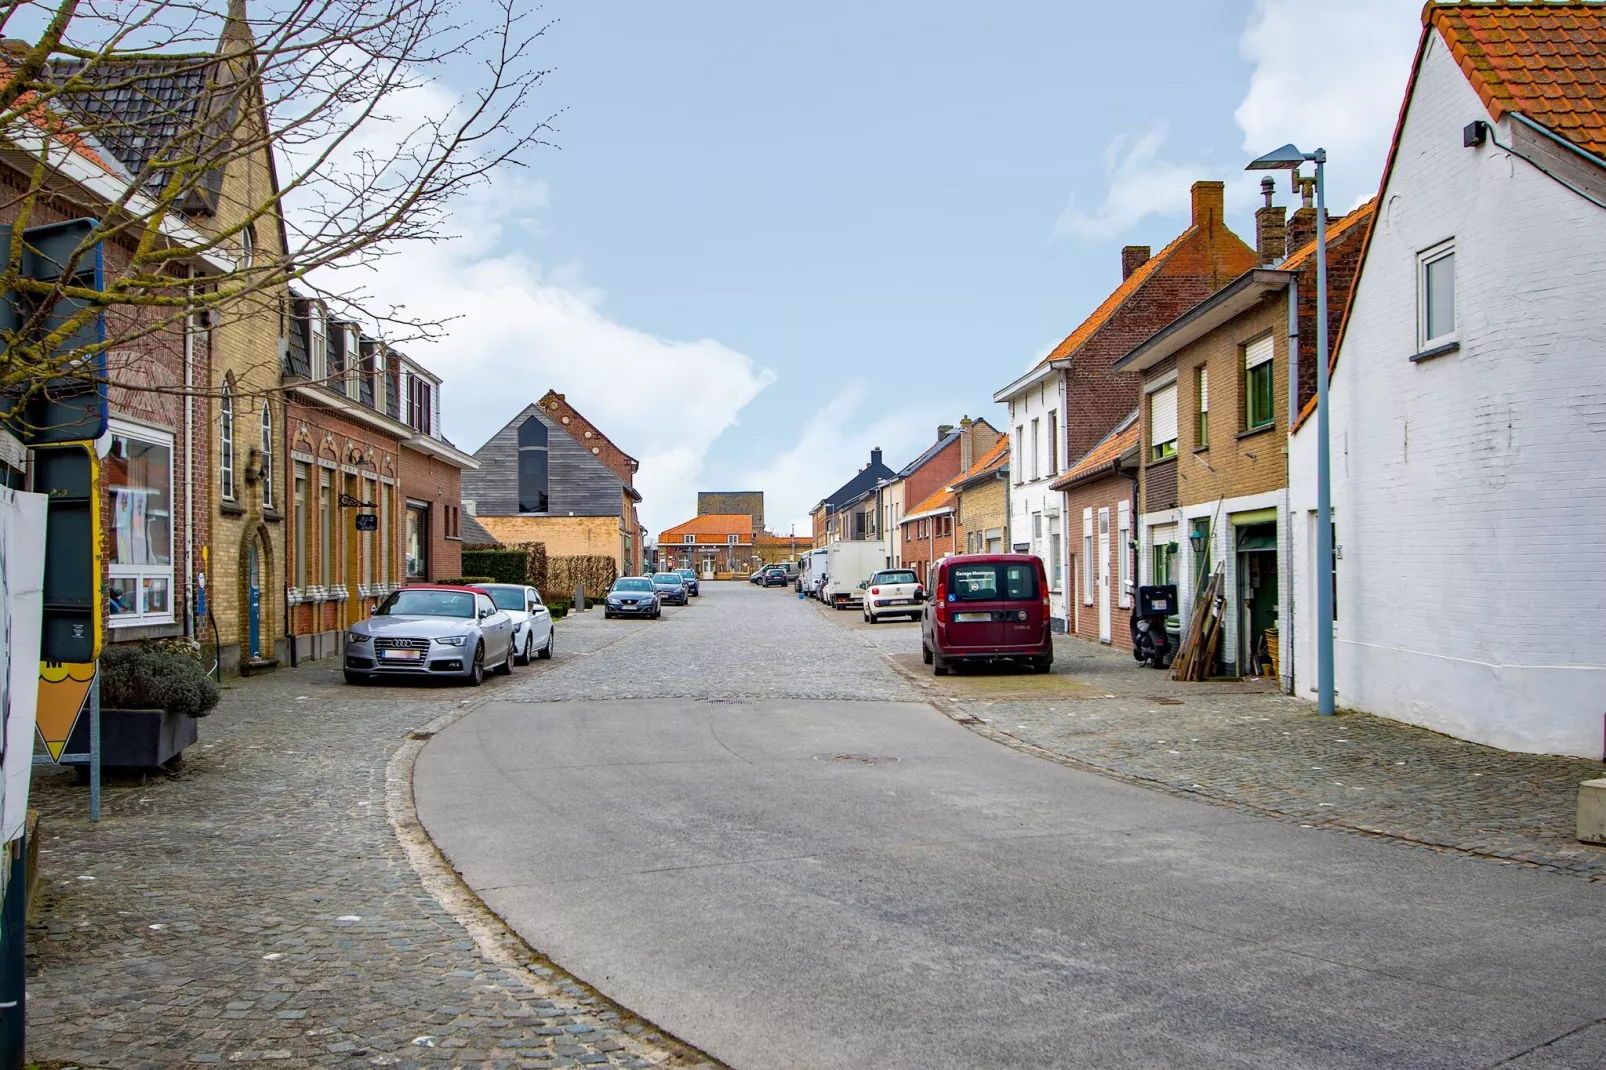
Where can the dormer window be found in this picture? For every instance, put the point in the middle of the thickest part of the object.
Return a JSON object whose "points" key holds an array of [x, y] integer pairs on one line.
{"points": [[533, 466], [319, 340]]}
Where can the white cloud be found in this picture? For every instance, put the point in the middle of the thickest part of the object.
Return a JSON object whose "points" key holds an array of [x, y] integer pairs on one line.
{"points": [[833, 445], [1324, 74]]}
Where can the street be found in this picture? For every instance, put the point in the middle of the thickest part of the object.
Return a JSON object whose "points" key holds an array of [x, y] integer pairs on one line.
{"points": [[745, 825]]}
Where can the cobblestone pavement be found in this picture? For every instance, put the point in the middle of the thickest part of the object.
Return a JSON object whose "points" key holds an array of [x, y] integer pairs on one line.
{"points": [[277, 902], [1246, 744]]}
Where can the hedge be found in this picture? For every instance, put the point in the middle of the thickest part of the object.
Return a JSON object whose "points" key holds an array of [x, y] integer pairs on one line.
{"points": [[596, 572], [467, 581], [501, 566]]}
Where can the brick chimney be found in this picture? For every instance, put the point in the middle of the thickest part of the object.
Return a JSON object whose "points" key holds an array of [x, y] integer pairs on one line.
{"points": [[1132, 258], [1302, 227], [943, 430], [1209, 204], [966, 452], [1271, 227]]}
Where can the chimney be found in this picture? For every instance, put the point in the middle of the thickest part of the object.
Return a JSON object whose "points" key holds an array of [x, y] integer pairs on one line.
{"points": [[1209, 204], [965, 450], [1302, 227], [1271, 227], [1132, 258], [943, 430], [875, 457]]}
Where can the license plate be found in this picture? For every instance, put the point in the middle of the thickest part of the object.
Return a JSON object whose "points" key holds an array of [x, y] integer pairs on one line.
{"points": [[972, 618], [401, 655], [902, 602]]}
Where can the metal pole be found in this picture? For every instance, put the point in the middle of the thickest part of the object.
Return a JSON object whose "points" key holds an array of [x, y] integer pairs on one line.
{"points": [[94, 746], [1324, 488]]}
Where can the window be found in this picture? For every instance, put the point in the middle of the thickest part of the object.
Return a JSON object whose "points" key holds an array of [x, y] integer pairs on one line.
{"points": [[299, 519], [385, 533], [267, 455], [1053, 442], [1056, 554], [993, 583], [688, 539], [1163, 422], [316, 328], [1020, 452], [1201, 421], [248, 245], [533, 466], [1087, 557], [1164, 557], [1123, 550], [1037, 450], [1436, 296], [370, 489], [1259, 403], [421, 404], [326, 528], [731, 539], [417, 541], [138, 474], [225, 440], [1037, 525]]}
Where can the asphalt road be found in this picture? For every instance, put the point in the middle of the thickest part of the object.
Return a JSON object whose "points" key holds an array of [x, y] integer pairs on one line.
{"points": [[728, 863]]}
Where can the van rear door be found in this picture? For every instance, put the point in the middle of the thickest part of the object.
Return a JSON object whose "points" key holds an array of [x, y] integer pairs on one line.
{"points": [[986, 601]]}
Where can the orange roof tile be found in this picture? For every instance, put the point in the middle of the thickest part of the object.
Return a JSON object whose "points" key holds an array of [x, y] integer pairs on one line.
{"points": [[1547, 61], [713, 524], [993, 459], [1101, 315], [1100, 457], [1335, 230], [941, 499]]}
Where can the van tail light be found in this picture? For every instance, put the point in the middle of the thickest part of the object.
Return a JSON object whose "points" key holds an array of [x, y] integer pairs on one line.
{"points": [[941, 606], [875, 590]]}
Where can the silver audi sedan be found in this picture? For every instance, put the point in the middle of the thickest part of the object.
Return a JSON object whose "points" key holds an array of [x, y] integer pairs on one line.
{"points": [[431, 630]]}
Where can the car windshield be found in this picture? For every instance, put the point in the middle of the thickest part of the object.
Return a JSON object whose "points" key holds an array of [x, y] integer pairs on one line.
{"points": [[688, 573], [427, 603], [993, 583], [632, 584], [666, 577], [507, 597], [894, 577]]}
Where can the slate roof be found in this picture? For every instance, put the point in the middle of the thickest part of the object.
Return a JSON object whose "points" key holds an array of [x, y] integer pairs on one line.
{"points": [[475, 537], [577, 482], [867, 478], [1102, 459], [935, 448], [1546, 61]]}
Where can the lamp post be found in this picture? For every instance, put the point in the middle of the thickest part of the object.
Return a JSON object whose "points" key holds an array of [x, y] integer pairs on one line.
{"points": [[1289, 158]]}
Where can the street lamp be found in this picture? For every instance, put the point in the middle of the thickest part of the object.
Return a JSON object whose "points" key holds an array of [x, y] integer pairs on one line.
{"points": [[1289, 158]]}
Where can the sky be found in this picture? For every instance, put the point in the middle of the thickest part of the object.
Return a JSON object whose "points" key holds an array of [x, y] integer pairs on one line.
{"points": [[769, 238]]}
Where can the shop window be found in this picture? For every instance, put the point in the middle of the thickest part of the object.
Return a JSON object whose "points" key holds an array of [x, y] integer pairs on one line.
{"points": [[138, 475]]}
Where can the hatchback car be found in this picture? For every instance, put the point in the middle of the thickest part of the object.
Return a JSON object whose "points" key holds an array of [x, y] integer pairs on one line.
{"points": [[690, 576], [773, 576], [892, 592], [533, 633], [987, 608], [431, 630], [671, 588], [632, 596]]}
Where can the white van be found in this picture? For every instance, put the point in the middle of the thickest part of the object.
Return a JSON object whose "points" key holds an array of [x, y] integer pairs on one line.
{"points": [[810, 570]]}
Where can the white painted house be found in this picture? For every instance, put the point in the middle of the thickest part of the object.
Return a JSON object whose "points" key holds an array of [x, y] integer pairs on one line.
{"points": [[1036, 521], [1469, 399]]}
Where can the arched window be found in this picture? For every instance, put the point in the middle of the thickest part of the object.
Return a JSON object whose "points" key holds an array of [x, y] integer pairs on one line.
{"points": [[267, 455], [248, 245], [225, 441], [532, 466]]}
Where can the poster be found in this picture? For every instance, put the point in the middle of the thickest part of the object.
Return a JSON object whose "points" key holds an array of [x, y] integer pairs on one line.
{"points": [[22, 578]]}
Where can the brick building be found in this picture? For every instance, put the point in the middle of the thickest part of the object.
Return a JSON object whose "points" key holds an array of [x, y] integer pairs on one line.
{"points": [[828, 526], [1070, 401], [714, 543], [931, 529], [1099, 491], [730, 502], [983, 494]]}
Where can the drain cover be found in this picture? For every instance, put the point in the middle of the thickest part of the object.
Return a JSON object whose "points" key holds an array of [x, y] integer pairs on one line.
{"points": [[1160, 700], [857, 759]]}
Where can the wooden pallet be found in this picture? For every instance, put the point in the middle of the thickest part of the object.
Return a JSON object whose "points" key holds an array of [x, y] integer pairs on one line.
{"points": [[1203, 638]]}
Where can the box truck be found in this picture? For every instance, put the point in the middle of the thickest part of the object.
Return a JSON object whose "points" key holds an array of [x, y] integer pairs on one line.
{"points": [[848, 564]]}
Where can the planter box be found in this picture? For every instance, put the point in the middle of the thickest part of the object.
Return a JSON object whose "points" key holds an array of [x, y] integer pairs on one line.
{"points": [[142, 738]]}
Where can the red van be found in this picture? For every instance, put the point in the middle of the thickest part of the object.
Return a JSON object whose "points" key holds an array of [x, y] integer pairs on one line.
{"points": [[987, 608]]}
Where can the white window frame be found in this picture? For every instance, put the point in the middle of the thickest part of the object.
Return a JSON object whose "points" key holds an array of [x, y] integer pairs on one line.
{"points": [[1155, 442], [1087, 556], [688, 540], [1123, 519], [225, 443], [318, 330], [1424, 260], [731, 540], [141, 573], [1037, 448], [267, 454]]}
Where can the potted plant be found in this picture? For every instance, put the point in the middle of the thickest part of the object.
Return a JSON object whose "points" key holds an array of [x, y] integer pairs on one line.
{"points": [[150, 698]]}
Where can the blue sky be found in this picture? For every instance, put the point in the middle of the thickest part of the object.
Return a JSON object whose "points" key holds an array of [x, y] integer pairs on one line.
{"points": [[771, 238]]}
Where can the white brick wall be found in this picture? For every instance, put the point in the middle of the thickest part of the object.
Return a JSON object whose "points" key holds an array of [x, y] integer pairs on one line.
{"points": [[1469, 490], [1033, 496]]}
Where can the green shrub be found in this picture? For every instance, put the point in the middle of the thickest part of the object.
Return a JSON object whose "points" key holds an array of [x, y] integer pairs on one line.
{"points": [[505, 566], [597, 572], [142, 678], [536, 573], [468, 581], [559, 609]]}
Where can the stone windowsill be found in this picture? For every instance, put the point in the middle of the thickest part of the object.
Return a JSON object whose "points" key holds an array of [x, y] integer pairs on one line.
{"points": [[228, 508]]}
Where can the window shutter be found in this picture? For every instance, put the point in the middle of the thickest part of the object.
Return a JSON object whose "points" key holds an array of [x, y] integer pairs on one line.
{"points": [[1258, 353], [1087, 522], [1163, 415], [1204, 389]]}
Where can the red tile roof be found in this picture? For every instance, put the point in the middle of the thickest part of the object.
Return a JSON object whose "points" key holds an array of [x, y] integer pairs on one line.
{"points": [[936, 503], [720, 524], [1101, 458], [1547, 61], [1101, 315], [1336, 228], [992, 460]]}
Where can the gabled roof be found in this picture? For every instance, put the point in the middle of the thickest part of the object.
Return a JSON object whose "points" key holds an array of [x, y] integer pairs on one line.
{"points": [[554, 402], [941, 501], [1104, 458], [868, 477], [475, 537], [1336, 229], [714, 524], [1112, 304], [1545, 61], [935, 448], [991, 463]]}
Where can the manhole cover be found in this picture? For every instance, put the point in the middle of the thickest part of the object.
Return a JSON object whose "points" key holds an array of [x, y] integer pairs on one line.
{"points": [[1159, 701], [857, 759]]}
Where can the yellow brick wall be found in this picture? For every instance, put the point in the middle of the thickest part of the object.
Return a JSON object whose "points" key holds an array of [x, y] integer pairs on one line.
{"points": [[564, 536], [982, 507]]}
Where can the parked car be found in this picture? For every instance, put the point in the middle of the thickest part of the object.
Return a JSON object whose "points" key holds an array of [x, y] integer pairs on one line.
{"points": [[986, 608], [690, 576], [671, 588], [431, 630], [774, 576], [892, 592], [756, 577], [533, 633], [632, 596], [811, 572]]}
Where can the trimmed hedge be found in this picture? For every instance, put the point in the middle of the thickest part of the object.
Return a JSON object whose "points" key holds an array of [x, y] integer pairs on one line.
{"points": [[499, 566], [135, 678], [596, 571], [466, 581], [535, 574]]}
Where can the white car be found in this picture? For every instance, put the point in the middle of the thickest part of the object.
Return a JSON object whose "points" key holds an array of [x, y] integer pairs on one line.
{"points": [[533, 634], [891, 593]]}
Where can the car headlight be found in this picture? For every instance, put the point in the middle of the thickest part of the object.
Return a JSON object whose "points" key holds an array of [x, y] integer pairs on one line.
{"points": [[357, 637], [452, 640]]}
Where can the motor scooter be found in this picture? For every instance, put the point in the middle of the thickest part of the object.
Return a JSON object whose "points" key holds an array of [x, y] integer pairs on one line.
{"points": [[1151, 642]]}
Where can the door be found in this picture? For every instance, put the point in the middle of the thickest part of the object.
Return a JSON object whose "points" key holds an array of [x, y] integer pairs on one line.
{"points": [[1104, 575], [253, 597]]}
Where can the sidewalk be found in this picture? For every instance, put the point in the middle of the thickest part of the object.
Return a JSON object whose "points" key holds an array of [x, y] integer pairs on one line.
{"points": [[264, 905], [1246, 744]]}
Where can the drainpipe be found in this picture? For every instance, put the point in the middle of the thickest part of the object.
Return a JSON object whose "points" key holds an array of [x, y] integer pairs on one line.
{"points": [[189, 477], [1285, 628], [1133, 528]]}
